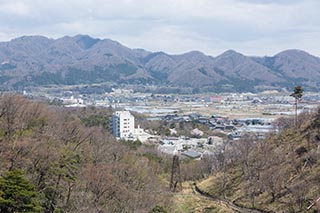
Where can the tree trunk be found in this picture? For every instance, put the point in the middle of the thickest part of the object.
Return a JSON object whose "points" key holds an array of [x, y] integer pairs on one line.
{"points": [[296, 116]]}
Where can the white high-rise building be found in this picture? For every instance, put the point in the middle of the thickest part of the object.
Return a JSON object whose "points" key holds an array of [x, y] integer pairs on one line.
{"points": [[122, 125]]}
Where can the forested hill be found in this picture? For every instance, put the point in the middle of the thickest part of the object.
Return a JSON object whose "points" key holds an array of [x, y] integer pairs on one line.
{"points": [[58, 160], [62, 159], [36, 61], [279, 174]]}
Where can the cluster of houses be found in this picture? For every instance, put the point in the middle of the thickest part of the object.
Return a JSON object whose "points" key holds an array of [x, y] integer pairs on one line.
{"points": [[233, 127], [190, 147], [123, 128]]}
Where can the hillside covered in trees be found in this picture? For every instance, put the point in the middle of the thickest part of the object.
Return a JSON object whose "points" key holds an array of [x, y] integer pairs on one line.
{"points": [[55, 159], [51, 160], [279, 174]]}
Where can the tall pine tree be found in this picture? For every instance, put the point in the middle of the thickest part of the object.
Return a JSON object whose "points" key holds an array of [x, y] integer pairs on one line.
{"points": [[297, 94]]}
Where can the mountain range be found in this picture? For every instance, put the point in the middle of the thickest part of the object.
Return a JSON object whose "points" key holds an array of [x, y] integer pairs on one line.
{"points": [[32, 61]]}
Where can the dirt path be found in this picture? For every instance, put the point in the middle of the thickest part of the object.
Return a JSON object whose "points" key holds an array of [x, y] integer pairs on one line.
{"points": [[188, 200], [226, 203]]}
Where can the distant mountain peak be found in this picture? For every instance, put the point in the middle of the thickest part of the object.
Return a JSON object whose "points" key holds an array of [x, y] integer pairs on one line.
{"points": [[85, 41], [83, 36], [194, 53], [292, 52], [30, 38], [81, 59], [230, 52]]}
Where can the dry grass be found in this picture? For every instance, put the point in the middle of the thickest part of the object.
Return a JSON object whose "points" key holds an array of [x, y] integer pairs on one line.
{"points": [[189, 201]]}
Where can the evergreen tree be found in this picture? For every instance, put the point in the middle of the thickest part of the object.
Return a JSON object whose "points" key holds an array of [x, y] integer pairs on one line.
{"points": [[17, 194], [297, 94]]}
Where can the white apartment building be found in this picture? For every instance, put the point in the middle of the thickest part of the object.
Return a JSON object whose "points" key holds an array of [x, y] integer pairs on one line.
{"points": [[122, 125]]}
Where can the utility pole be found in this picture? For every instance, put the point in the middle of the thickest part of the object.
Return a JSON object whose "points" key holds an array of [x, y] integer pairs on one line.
{"points": [[175, 181]]}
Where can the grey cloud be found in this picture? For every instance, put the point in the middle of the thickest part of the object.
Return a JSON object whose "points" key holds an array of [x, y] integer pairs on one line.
{"points": [[171, 25]]}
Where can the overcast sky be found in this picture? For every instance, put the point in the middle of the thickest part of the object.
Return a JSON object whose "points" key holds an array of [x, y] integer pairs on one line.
{"points": [[252, 27]]}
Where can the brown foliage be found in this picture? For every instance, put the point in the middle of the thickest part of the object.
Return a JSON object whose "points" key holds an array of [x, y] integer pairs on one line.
{"points": [[75, 168], [278, 174]]}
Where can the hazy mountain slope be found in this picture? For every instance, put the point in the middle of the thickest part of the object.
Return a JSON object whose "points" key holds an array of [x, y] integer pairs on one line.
{"points": [[37, 60], [235, 64], [294, 65]]}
